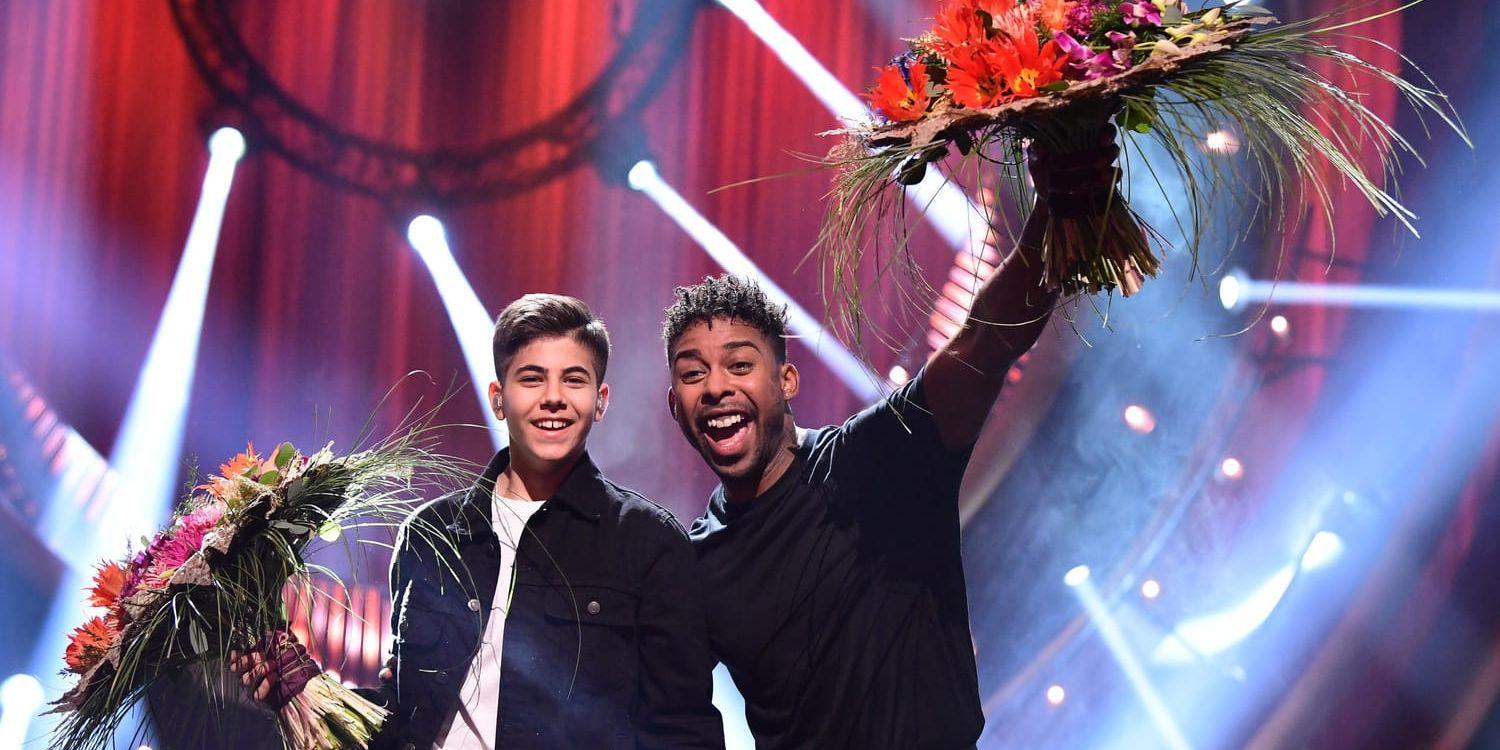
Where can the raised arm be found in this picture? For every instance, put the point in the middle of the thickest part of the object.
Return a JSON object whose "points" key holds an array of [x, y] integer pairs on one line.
{"points": [[1011, 308]]}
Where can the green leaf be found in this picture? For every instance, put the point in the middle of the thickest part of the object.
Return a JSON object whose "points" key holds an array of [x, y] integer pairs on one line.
{"points": [[270, 478], [1055, 86], [284, 455], [1139, 115]]}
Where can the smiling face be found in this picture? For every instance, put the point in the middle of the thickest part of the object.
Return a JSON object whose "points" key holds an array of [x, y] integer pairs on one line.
{"points": [[550, 398], [729, 396]]}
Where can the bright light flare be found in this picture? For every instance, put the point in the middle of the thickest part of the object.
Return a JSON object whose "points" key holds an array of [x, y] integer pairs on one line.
{"points": [[20, 697], [645, 178], [1150, 588], [471, 322], [1324, 548], [1213, 633], [898, 375], [1221, 142], [1056, 695], [1139, 419], [1231, 468], [1280, 326], [1076, 576]]}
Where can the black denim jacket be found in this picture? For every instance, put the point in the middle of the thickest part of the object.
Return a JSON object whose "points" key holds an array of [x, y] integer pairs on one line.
{"points": [[605, 641]]}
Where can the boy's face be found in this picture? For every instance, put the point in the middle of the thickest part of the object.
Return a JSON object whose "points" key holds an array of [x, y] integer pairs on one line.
{"points": [[729, 395], [549, 397]]}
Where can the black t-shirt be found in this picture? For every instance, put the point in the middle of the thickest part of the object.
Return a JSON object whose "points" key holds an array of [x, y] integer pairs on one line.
{"points": [[837, 597]]}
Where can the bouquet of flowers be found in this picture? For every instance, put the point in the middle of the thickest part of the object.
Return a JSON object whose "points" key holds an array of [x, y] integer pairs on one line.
{"points": [[213, 580], [993, 76]]}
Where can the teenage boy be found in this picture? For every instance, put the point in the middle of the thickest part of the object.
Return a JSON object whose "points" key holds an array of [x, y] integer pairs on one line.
{"points": [[546, 607]]}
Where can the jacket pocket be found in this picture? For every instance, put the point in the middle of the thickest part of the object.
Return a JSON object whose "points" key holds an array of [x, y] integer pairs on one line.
{"points": [[600, 621]]}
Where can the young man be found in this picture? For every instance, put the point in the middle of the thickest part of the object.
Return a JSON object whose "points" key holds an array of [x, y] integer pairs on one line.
{"points": [[836, 586], [547, 607]]}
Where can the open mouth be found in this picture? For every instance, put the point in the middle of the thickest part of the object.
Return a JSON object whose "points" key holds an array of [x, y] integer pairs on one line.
{"points": [[727, 432], [552, 425]]}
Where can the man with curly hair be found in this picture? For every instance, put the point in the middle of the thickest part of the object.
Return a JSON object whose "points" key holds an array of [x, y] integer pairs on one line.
{"points": [[836, 586]]}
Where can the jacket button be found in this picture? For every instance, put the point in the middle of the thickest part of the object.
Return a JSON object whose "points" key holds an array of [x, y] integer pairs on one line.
{"points": [[473, 605], [593, 608], [442, 678]]}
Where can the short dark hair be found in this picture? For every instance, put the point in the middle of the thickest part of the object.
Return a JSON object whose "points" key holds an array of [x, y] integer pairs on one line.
{"points": [[536, 316], [729, 297]]}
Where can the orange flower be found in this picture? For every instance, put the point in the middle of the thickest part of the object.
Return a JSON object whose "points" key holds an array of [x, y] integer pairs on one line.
{"points": [[958, 26], [1054, 13], [89, 643], [1026, 67], [975, 78], [897, 101], [108, 583], [241, 465]]}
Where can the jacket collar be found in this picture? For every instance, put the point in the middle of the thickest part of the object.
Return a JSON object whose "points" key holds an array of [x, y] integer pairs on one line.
{"points": [[582, 492]]}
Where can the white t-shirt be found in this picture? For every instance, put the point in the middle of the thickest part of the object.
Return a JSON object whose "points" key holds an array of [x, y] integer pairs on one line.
{"points": [[473, 727]]}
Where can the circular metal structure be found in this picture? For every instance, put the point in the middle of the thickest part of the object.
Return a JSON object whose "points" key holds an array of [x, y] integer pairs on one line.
{"points": [[512, 163]]}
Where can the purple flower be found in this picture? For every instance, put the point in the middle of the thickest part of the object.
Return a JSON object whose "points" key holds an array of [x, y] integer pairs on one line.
{"points": [[1086, 63], [1143, 12]]}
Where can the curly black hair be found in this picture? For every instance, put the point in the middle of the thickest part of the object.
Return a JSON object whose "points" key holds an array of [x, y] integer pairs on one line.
{"points": [[729, 297]]}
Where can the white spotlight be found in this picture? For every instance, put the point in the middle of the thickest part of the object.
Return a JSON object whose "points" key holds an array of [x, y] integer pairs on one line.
{"points": [[642, 173], [1221, 141], [1077, 576], [899, 375], [471, 323], [20, 697], [1229, 290], [1056, 695], [1324, 548], [425, 233], [1231, 468], [1139, 419], [1280, 326], [228, 143], [1150, 588]]}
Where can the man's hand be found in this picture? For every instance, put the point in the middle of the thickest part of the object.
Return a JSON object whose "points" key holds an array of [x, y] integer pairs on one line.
{"points": [[276, 668]]}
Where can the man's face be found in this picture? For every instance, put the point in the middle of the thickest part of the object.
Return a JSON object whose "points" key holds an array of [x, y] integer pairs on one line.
{"points": [[729, 396], [549, 398]]}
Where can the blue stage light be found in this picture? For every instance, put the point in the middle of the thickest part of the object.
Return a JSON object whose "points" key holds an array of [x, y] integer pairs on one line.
{"points": [[1236, 290]]}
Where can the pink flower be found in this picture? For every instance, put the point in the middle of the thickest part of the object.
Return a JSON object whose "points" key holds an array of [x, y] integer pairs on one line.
{"points": [[169, 551], [1143, 12], [1081, 17], [1084, 63]]}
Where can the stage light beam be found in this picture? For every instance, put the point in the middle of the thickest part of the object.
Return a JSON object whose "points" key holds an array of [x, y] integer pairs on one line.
{"points": [[943, 204], [1236, 291], [149, 447], [644, 178], [1135, 673], [471, 322]]}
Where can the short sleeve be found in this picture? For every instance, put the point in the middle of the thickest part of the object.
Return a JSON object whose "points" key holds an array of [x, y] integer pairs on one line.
{"points": [[893, 447]]}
